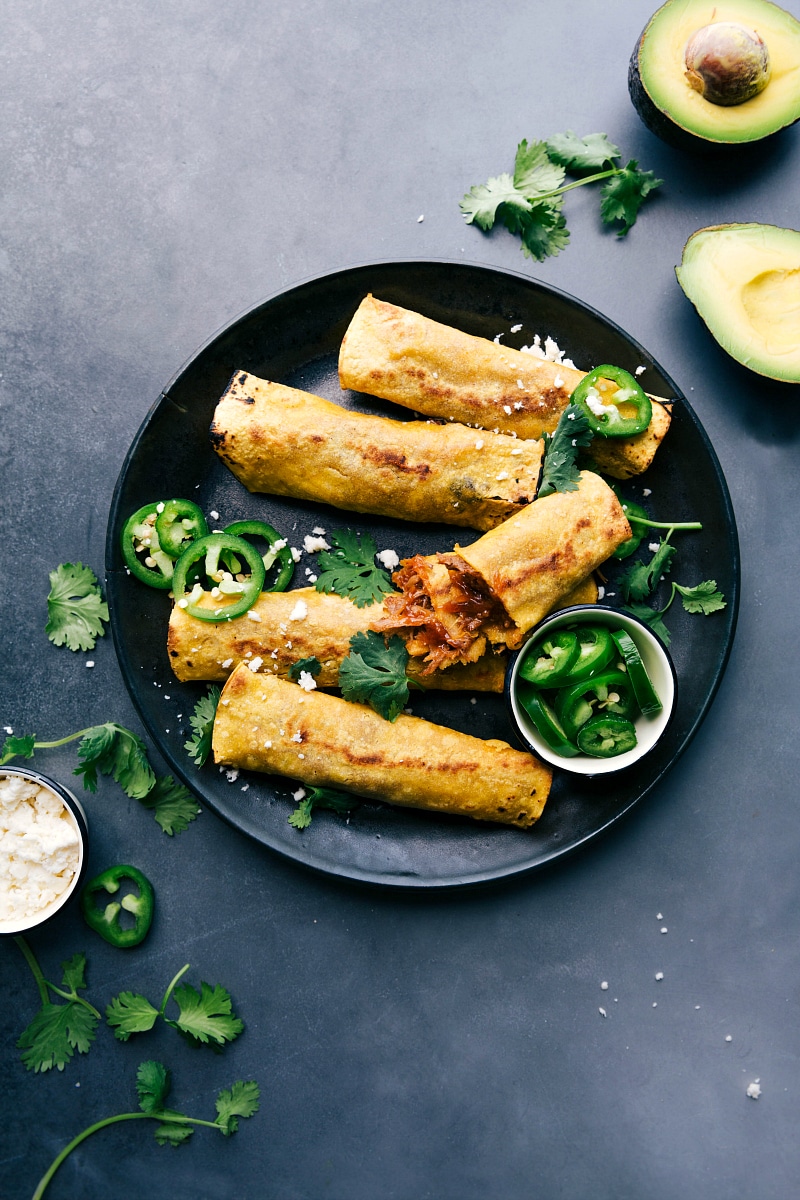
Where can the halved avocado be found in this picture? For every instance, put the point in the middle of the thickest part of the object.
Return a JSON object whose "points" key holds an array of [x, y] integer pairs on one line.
{"points": [[753, 45], [744, 280]]}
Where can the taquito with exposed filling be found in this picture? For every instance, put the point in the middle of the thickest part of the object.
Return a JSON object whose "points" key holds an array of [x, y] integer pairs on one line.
{"points": [[452, 607], [284, 627], [287, 442], [268, 724], [440, 371]]}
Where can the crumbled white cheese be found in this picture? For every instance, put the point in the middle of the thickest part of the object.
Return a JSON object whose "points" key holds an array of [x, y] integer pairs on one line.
{"points": [[299, 612], [754, 1089], [479, 444], [502, 475], [516, 328], [318, 531], [521, 385], [297, 737], [255, 663], [307, 681], [647, 491], [268, 744], [228, 662], [299, 795], [659, 974], [518, 404], [274, 547], [640, 370], [604, 986], [389, 559], [602, 1012], [231, 774], [39, 849], [728, 1038], [507, 409], [652, 547], [296, 554], [558, 382], [518, 450], [252, 615], [312, 545]]}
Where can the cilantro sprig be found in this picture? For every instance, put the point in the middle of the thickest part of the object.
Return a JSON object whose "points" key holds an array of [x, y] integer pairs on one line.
{"points": [[349, 569], [202, 722], [641, 580], [111, 749], [320, 797], [559, 470], [76, 609], [152, 1086], [203, 1017], [530, 201], [374, 673], [57, 1031]]}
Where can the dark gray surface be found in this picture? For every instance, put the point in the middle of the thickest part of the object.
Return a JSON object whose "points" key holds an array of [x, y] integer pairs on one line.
{"points": [[161, 173]]}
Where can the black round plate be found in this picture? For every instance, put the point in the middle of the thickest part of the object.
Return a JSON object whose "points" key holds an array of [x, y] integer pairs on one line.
{"points": [[294, 338]]}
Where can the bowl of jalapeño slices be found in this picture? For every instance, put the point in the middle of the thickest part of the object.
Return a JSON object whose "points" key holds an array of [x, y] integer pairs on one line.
{"points": [[592, 690]]}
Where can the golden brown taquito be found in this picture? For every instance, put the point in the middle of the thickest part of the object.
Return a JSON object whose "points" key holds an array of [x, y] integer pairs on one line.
{"points": [[440, 371], [450, 607], [203, 650], [287, 442], [267, 724]]}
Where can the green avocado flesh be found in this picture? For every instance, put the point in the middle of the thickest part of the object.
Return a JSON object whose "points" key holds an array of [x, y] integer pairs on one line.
{"points": [[744, 280], [670, 106]]}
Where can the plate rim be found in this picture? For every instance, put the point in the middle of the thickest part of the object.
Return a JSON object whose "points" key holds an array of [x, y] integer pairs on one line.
{"points": [[353, 874]]}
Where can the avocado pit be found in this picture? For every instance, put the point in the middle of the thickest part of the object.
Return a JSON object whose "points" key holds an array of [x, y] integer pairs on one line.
{"points": [[727, 63]]}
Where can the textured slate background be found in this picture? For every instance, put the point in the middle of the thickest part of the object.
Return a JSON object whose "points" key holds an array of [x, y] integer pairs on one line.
{"points": [[162, 172]]}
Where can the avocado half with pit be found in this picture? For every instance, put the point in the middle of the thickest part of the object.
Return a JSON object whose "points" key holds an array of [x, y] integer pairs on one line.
{"points": [[725, 74], [744, 280]]}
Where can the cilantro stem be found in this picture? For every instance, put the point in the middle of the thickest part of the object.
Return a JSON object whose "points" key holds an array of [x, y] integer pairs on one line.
{"points": [[670, 525], [30, 959], [71, 737], [162, 1115], [43, 984], [169, 990], [577, 183]]}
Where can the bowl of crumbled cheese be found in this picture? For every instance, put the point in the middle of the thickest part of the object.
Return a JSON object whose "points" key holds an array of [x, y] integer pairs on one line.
{"points": [[43, 836]]}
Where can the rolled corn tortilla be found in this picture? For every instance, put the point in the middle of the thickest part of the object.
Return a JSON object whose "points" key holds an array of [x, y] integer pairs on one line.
{"points": [[287, 442], [437, 370], [267, 724], [272, 639], [450, 607]]}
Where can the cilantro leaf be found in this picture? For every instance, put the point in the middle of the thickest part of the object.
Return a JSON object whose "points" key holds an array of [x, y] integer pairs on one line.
{"points": [[640, 579], [202, 722], [559, 472], [319, 797], [624, 194], [481, 202], [170, 1134], [311, 664], [652, 617], [240, 1100], [152, 1086], [58, 1030], [374, 673], [581, 154], [350, 569], [54, 1034], [704, 598], [130, 1013], [76, 609], [544, 230], [205, 1015], [17, 747], [113, 750], [534, 172], [174, 807]]}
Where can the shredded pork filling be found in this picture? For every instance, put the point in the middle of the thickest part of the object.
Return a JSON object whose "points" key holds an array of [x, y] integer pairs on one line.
{"points": [[444, 611]]}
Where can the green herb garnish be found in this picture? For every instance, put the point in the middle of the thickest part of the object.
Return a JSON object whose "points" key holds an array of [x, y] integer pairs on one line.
{"points": [[174, 807], [76, 609], [203, 1017], [311, 664], [530, 202], [202, 722], [374, 673], [174, 1128], [559, 472], [58, 1030], [350, 569], [319, 797]]}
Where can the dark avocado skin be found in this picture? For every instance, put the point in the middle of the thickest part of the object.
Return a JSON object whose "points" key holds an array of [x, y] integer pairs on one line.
{"points": [[664, 127]]}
